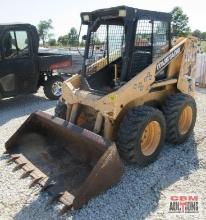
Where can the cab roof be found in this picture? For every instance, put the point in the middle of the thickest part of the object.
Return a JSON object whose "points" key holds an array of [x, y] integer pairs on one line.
{"points": [[4, 26], [14, 24], [130, 14]]}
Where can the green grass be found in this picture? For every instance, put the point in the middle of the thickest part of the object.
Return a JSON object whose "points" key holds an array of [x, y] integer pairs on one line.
{"points": [[203, 46]]}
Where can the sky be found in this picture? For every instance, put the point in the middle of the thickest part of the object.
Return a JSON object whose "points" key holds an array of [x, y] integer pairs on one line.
{"points": [[66, 13]]}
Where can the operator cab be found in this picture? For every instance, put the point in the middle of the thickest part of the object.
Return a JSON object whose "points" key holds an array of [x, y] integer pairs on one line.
{"points": [[120, 43]]}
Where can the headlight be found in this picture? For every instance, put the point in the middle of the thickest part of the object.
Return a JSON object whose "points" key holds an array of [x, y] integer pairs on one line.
{"points": [[122, 13], [86, 17]]}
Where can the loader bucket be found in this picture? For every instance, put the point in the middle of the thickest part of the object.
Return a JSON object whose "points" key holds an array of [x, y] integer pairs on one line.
{"points": [[71, 163]]}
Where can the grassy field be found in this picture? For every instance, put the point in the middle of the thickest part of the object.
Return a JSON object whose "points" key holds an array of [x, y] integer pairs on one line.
{"points": [[203, 46]]}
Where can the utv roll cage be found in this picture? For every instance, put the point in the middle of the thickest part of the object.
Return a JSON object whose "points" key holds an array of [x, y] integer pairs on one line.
{"points": [[23, 26], [128, 17]]}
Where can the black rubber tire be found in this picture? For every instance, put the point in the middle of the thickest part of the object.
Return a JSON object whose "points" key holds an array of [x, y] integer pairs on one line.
{"points": [[172, 109], [48, 87], [60, 110], [131, 130]]}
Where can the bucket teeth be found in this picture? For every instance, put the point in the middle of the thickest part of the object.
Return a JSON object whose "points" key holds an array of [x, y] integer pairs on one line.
{"points": [[13, 158], [54, 199], [19, 166], [26, 174], [47, 186], [35, 181]]}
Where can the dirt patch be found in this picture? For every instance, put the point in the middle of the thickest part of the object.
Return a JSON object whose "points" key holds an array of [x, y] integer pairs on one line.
{"points": [[52, 157]]}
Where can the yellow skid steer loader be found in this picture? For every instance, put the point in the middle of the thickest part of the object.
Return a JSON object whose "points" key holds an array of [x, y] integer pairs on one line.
{"points": [[134, 92]]}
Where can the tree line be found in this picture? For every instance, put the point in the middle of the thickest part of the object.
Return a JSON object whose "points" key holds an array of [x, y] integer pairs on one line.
{"points": [[179, 26], [44, 29]]}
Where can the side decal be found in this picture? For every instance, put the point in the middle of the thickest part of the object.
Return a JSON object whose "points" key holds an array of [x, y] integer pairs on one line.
{"points": [[166, 60]]}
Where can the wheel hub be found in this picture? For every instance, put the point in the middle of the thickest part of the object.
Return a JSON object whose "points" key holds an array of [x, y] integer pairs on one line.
{"points": [[185, 120], [57, 88], [150, 138]]}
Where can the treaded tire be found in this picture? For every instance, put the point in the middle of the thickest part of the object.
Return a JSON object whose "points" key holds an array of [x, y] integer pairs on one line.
{"points": [[60, 110], [172, 109], [48, 87], [130, 134]]}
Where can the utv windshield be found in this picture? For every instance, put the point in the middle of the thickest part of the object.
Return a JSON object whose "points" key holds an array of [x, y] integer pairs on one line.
{"points": [[105, 46]]}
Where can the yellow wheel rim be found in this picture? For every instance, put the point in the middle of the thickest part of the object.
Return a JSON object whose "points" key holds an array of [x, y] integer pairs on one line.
{"points": [[185, 120], [150, 138]]}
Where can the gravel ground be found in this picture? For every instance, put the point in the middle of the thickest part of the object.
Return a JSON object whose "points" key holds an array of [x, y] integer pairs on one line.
{"points": [[141, 194]]}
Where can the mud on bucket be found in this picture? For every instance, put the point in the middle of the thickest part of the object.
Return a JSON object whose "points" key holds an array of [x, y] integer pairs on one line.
{"points": [[71, 163]]}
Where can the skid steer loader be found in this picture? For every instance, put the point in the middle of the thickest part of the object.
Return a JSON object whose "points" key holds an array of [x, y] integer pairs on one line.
{"points": [[135, 90]]}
